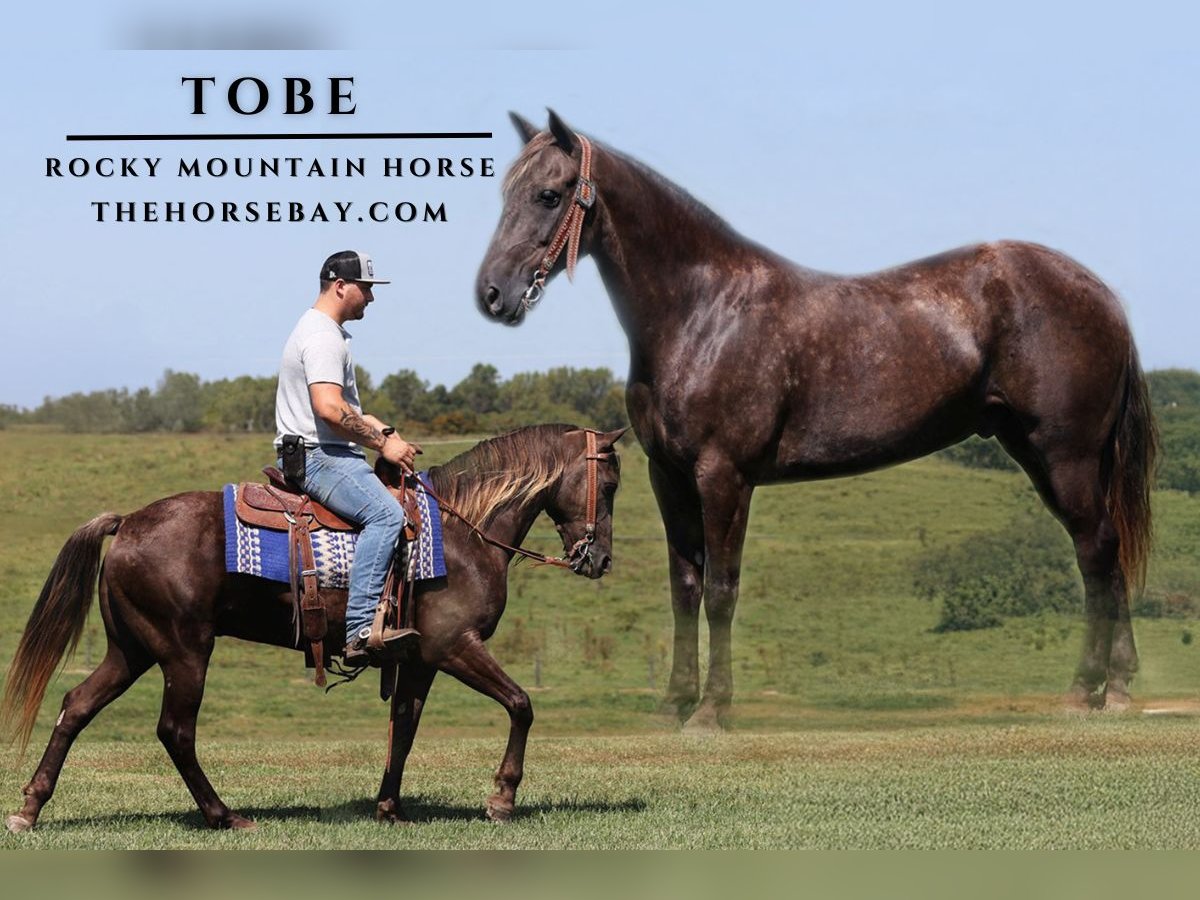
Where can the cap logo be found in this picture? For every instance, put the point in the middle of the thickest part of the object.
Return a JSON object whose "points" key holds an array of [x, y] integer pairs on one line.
{"points": [[370, 268]]}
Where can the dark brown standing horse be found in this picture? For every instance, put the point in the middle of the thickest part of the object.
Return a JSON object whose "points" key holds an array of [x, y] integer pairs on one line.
{"points": [[165, 597], [747, 369]]}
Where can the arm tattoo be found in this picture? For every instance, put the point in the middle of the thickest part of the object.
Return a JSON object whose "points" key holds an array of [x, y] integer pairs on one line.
{"points": [[363, 433]]}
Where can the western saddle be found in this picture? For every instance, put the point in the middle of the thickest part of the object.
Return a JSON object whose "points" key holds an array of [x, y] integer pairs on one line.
{"points": [[280, 506]]}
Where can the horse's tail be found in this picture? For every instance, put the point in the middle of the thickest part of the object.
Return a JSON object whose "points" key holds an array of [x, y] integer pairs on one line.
{"points": [[1132, 450], [55, 624]]}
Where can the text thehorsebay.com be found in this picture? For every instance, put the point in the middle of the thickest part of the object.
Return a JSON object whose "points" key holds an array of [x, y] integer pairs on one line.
{"points": [[250, 96]]}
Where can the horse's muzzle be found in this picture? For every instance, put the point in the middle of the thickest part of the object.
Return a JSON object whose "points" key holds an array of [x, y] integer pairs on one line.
{"points": [[492, 303], [591, 565]]}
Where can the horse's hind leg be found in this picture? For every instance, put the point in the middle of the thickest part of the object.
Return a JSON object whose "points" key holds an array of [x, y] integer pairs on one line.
{"points": [[474, 666], [1109, 655], [407, 703], [1122, 658], [118, 670], [183, 689], [1070, 485], [1108, 651]]}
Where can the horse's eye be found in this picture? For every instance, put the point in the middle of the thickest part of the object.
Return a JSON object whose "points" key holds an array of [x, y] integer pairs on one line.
{"points": [[549, 198]]}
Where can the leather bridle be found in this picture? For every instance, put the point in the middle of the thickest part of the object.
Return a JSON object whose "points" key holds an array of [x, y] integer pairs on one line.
{"points": [[569, 230], [581, 551]]}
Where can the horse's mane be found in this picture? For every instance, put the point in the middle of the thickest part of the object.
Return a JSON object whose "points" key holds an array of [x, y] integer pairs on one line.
{"points": [[680, 195], [690, 204], [525, 159], [512, 467]]}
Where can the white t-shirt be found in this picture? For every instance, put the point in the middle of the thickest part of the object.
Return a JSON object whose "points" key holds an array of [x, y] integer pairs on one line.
{"points": [[317, 350]]}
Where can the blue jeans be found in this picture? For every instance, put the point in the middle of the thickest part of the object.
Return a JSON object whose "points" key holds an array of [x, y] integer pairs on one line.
{"points": [[342, 480]]}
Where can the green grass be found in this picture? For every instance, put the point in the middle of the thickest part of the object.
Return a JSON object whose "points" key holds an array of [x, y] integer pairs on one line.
{"points": [[831, 644], [1048, 783]]}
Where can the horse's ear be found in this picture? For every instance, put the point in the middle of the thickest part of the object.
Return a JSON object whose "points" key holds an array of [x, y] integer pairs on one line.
{"points": [[564, 137], [525, 128], [609, 440]]}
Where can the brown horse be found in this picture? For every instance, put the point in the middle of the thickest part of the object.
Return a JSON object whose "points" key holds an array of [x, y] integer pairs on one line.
{"points": [[165, 597], [746, 369]]}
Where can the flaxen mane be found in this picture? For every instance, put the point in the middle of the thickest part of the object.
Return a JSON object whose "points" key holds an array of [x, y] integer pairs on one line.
{"points": [[523, 161], [514, 466]]}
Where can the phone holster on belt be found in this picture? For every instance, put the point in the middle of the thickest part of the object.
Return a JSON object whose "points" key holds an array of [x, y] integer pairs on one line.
{"points": [[292, 452]]}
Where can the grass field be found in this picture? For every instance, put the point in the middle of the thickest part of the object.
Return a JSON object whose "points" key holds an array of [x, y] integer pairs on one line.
{"points": [[856, 725], [1044, 784]]}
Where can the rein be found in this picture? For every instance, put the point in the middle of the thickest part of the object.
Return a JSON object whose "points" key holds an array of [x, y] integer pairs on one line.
{"points": [[581, 550], [568, 230]]}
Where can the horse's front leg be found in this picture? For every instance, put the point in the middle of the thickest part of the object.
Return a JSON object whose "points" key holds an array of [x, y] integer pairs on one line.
{"points": [[407, 703], [474, 666], [725, 498], [679, 505]]}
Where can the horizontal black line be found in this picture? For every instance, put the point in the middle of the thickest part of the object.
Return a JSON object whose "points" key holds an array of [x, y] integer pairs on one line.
{"points": [[355, 136]]}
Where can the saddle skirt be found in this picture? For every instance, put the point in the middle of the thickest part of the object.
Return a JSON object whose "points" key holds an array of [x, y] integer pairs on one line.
{"points": [[259, 546]]}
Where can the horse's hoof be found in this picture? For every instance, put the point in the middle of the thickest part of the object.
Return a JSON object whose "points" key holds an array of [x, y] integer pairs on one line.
{"points": [[677, 708], [1117, 702], [17, 824], [239, 823], [389, 813], [1079, 700], [498, 811], [705, 720], [670, 717]]}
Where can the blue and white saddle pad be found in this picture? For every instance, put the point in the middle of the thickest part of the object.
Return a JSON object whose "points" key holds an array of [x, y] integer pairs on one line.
{"points": [[264, 552]]}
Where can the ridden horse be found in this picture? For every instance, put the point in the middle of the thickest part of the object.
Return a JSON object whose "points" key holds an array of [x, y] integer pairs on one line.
{"points": [[747, 369], [165, 596]]}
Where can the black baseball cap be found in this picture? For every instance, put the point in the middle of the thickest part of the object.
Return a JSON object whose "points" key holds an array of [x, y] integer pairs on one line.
{"points": [[351, 265]]}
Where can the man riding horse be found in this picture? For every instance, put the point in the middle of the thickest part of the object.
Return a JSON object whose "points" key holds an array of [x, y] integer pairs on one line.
{"points": [[321, 432]]}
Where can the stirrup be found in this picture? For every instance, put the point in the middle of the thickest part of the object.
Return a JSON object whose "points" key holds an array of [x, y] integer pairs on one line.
{"points": [[393, 645]]}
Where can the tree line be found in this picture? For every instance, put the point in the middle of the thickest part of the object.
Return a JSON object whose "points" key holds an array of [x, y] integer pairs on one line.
{"points": [[481, 402]]}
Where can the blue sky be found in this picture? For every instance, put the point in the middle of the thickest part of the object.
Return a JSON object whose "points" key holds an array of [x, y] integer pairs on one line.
{"points": [[848, 137]]}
